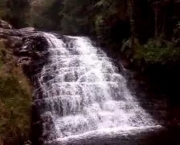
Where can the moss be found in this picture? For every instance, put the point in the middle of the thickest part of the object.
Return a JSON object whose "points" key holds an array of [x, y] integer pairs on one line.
{"points": [[15, 101]]}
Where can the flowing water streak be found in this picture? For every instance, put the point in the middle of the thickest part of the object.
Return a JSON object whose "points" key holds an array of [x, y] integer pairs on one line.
{"points": [[84, 93]]}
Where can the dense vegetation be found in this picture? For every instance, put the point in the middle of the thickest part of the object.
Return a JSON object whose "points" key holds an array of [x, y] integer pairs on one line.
{"points": [[149, 29], [15, 100]]}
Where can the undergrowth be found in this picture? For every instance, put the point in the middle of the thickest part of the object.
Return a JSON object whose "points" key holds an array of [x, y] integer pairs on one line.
{"points": [[155, 51], [14, 101]]}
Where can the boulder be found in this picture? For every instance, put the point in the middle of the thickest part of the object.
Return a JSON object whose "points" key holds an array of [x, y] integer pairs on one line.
{"points": [[5, 25], [28, 29], [14, 41], [6, 30], [32, 54], [27, 44]]}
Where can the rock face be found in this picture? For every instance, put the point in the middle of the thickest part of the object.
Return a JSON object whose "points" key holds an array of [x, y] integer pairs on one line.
{"points": [[17, 32], [5, 25], [32, 54], [30, 49], [26, 43]]}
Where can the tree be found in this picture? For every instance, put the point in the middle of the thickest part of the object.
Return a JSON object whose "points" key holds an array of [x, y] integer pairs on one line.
{"points": [[132, 21], [160, 15], [108, 18], [76, 16], [45, 14]]}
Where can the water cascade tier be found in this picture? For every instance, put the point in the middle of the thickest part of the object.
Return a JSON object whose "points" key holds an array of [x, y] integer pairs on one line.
{"points": [[84, 93]]}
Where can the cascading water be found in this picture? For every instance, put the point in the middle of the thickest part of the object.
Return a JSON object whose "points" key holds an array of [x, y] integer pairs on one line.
{"points": [[83, 93]]}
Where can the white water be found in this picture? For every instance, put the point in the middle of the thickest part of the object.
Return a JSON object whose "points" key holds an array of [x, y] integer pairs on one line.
{"points": [[85, 93]]}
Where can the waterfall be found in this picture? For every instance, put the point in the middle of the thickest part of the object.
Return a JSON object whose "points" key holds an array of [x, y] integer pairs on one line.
{"points": [[84, 94]]}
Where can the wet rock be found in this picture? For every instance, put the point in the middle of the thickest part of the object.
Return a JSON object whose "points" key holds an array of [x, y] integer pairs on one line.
{"points": [[5, 25], [6, 30], [32, 54], [28, 143], [27, 44], [4, 33], [14, 41], [28, 29], [24, 61]]}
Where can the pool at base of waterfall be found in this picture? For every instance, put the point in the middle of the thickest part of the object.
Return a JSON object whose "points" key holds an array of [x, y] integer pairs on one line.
{"points": [[107, 136]]}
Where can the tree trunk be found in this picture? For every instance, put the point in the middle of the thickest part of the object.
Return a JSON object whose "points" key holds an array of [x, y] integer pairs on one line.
{"points": [[156, 22], [132, 23]]}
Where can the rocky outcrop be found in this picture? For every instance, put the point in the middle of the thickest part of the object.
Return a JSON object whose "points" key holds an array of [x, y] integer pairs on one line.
{"points": [[5, 25], [30, 51], [32, 54], [5, 33], [26, 43]]}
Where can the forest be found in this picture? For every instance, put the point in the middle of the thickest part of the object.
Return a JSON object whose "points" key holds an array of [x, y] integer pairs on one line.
{"points": [[144, 33], [148, 30]]}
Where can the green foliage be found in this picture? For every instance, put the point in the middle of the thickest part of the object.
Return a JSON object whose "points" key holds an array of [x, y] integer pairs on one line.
{"points": [[76, 16], [67, 16], [157, 52], [108, 13], [14, 112]]}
